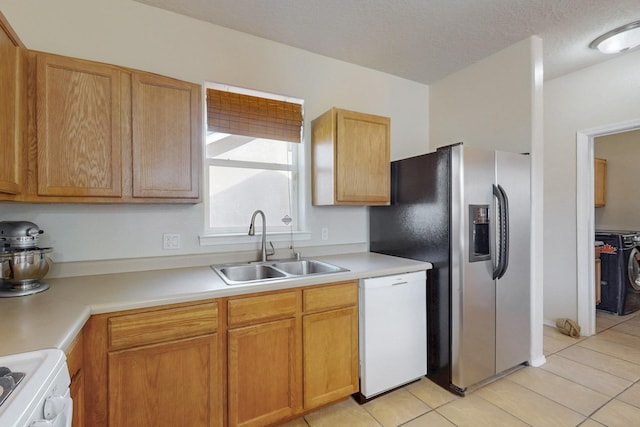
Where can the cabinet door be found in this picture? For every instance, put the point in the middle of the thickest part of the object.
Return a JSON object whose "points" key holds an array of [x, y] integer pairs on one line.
{"points": [[167, 134], [76, 391], [75, 362], [330, 354], [171, 384], [362, 159], [9, 139], [263, 365], [79, 147]]}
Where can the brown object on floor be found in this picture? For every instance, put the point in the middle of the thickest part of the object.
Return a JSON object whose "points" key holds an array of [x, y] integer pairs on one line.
{"points": [[568, 327]]}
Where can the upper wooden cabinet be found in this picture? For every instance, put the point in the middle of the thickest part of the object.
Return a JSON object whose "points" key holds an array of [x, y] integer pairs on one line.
{"points": [[105, 133], [166, 137], [10, 160], [99, 133], [600, 190], [79, 143], [350, 157]]}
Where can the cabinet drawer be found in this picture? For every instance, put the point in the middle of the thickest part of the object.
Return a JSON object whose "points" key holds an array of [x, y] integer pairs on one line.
{"points": [[329, 297], [161, 326], [263, 307]]}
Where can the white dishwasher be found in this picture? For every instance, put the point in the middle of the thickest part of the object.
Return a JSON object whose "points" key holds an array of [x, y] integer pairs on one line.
{"points": [[393, 332]]}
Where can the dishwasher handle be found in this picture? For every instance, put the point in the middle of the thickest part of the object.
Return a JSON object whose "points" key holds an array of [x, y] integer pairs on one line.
{"points": [[395, 280]]}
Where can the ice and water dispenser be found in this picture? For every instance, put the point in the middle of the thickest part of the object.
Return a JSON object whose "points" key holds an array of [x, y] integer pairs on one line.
{"points": [[479, 233]]}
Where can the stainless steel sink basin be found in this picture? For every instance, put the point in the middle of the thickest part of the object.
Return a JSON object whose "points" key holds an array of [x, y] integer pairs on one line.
{"points": [[241, 274], [306, 266], [249, 273]]}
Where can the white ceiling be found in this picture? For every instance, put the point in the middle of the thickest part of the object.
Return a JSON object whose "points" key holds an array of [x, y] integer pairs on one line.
{"points": [[421, 40]]}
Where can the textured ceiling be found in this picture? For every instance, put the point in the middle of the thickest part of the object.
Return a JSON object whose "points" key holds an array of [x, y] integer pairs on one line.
{"points": [[421, 40]]}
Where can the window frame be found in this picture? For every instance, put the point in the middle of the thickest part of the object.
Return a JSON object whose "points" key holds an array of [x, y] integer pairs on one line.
{"points": [[229, 235]]}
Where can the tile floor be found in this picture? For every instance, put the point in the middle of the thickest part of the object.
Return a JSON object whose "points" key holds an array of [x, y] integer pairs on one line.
{"points": [[589, 382]]}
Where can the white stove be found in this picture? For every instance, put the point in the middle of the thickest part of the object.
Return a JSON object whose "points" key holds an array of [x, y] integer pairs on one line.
{"points": [[41, 397]]}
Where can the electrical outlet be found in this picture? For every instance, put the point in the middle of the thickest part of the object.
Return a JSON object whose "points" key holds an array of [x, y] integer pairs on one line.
{"points": [[325, 233], [170, 241]]}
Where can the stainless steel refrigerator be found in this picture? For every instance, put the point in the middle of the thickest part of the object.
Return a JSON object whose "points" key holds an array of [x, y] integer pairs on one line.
{"points": [[467, 211]]}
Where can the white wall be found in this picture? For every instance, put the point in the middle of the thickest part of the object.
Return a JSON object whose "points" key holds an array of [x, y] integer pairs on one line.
{"points": [[128, 33], [595, 97], [622, 153], [488, 104], [497, 104]]}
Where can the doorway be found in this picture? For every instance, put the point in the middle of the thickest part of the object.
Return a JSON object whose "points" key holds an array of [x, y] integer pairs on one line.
{"points": [[585, 220]]}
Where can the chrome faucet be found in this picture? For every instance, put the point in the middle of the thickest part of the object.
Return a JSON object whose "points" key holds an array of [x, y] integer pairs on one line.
{"points": [[252, 232]]}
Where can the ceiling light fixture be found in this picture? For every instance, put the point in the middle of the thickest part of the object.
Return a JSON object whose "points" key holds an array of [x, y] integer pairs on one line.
{"points": [[618, 40]]}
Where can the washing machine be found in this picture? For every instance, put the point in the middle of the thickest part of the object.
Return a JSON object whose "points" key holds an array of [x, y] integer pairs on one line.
{"points": [[620, 271]]}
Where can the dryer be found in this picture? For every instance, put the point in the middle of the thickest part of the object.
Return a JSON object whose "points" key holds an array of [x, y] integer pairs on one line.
{"points": [[620, 271]]}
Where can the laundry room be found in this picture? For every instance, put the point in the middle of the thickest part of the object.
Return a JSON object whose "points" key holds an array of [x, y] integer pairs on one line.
{"points": [[621, 152], [617, 223]]}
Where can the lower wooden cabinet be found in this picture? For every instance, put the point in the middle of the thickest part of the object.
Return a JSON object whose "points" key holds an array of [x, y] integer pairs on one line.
{"points": [[250, 360], [155, 367], [330, 343], [169, 384], [263, 373], [296, 351], [263, 356], [330, 356], [75, 362]]}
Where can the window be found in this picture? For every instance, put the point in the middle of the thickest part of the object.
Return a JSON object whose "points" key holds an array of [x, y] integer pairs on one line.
{"points": [[251, 160]]}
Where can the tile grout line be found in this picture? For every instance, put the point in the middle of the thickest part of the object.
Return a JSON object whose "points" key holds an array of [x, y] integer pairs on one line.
{"points": [[501, 408], [545, 397], [586, 417], [431, 408], [553, 353], [592, 367], [610, 399], [372, 416]]}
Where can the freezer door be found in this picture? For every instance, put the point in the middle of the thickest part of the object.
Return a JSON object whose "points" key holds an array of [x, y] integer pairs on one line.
{"points": [[473, 304], [513, 320]]}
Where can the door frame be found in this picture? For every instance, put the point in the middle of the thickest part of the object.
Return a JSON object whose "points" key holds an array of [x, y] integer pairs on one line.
{"points": [[585, 220]]}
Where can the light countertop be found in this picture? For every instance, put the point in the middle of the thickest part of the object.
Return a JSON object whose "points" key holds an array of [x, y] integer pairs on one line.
{"points": [[54, 317]]}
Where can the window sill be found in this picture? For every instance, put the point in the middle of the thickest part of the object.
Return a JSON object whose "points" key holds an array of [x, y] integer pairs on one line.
{"points": [[240, 238]]}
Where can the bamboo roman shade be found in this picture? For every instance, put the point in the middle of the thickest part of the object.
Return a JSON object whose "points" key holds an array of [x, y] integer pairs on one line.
{"points": [[239, 114]]}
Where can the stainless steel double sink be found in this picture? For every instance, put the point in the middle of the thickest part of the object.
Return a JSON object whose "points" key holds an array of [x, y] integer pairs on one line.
{"points": [[241, 274]]}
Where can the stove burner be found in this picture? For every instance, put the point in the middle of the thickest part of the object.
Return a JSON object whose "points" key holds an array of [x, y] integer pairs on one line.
{"points": [[8, 382]]}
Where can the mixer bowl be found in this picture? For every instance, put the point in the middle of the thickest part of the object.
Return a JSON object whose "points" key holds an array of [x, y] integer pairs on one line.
{"points": [[24, 266]]}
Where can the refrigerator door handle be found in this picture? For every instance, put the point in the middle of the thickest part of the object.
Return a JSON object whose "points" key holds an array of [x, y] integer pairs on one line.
{"points": [[505, 232], [502, 252], [498, 260]]}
